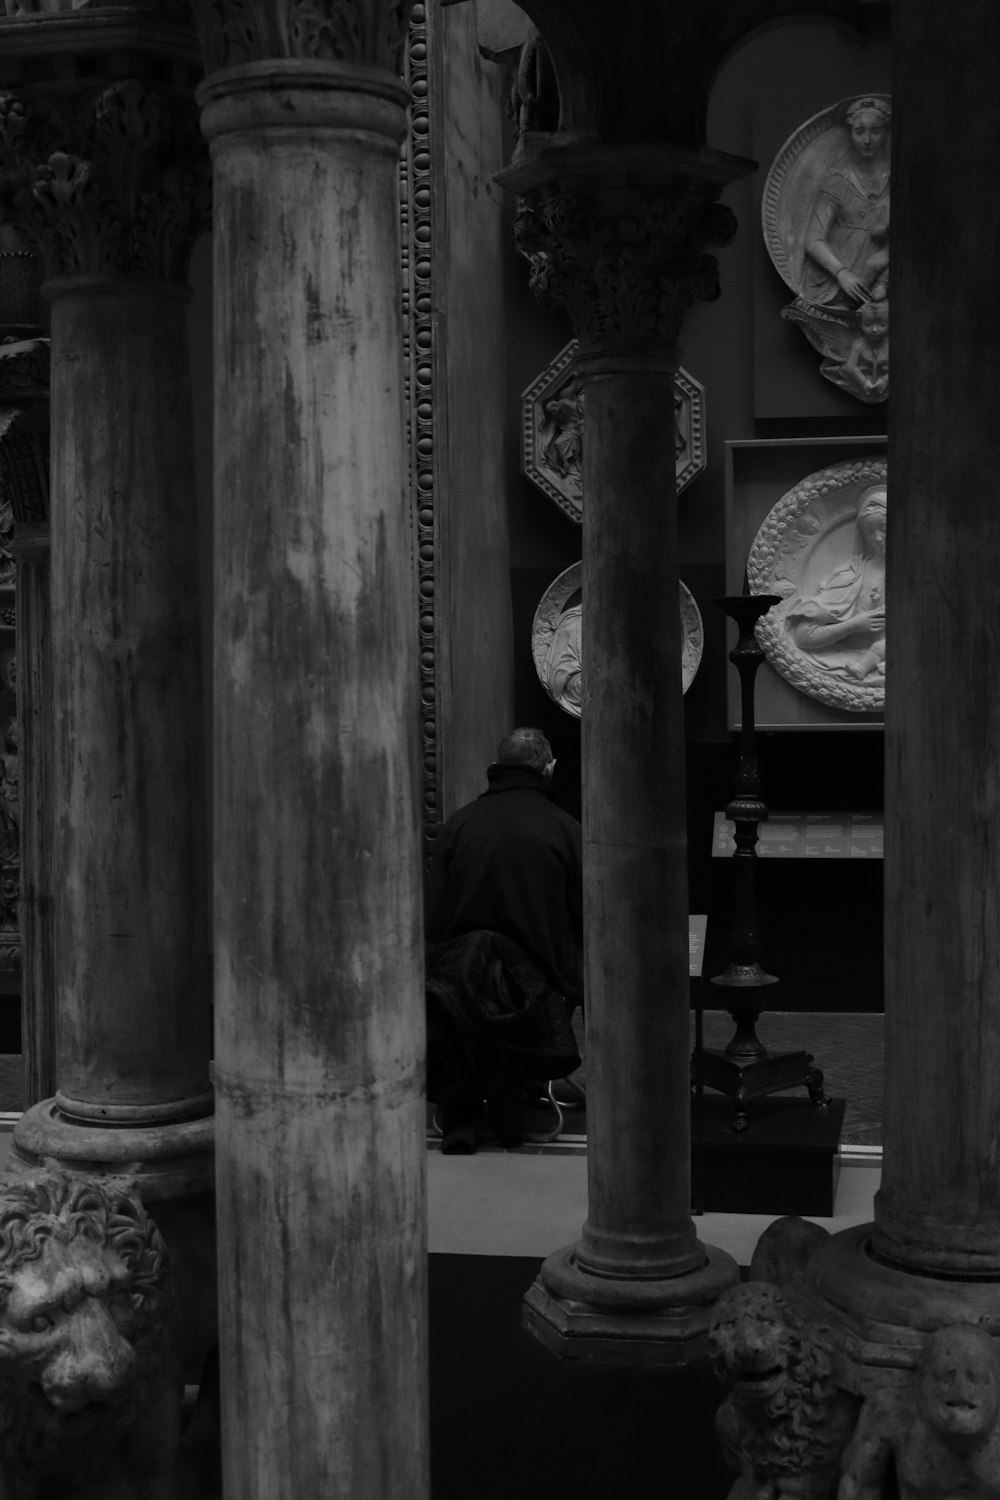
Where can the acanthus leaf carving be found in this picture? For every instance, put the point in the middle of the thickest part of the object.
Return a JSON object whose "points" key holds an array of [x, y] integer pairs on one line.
{"points": [[236, 32], [108, 182], [624, 278]]}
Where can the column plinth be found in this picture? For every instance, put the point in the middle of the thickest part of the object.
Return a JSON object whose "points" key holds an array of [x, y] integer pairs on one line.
{"points": [[621, 244], [319, 950]]}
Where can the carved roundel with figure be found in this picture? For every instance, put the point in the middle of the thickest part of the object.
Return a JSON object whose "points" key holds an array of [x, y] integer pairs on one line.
{"points": [[555, 639], [822, 549]]}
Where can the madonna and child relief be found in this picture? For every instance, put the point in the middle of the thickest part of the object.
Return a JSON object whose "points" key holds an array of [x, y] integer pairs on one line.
{"points": [[556, 631], [822, 550], [825, 212]]}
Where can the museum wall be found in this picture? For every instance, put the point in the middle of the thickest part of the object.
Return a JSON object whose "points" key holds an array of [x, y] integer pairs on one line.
{"points": [[770, 419]]}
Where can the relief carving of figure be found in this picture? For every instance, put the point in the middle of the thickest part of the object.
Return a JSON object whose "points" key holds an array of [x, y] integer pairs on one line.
{"points": [[785, 1422], [561, 436], [826, 224], [562, 670], [556, 634], [842, 623], [847, 242], [938, 1439]]}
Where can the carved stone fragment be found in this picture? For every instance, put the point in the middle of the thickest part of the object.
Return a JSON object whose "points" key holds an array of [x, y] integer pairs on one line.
{"points": [[552, 431], [939, 1438], [90, 1384], [785, 1422]]}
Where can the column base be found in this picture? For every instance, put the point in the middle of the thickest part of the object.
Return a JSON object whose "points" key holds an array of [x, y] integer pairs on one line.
{"points": [[625, 1322], [163, 1161], [880, 1314]]}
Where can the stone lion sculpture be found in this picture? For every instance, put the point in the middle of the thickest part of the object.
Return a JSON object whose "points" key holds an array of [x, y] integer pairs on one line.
{"points": [[90, 1387], [784, 1422]]}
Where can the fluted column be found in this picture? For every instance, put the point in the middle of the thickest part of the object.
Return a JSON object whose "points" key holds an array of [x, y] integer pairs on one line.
{"points": [[933, 1253], [108, 175], [627, 262], [319, 992]]}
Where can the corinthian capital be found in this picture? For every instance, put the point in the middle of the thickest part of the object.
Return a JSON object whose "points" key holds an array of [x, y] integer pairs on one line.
{"points": [[109, 181], [234, 32], [628, 265]]}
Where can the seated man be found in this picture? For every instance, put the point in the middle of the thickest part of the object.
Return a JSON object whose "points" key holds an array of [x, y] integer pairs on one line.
{"points": [[507, 864]]}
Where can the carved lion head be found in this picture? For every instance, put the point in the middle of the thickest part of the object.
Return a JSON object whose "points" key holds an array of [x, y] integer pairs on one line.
{"points": [[778, 1372], [84, 1297]]}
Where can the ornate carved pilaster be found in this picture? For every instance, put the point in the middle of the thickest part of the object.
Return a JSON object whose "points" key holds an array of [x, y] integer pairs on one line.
{"points": [[24, 470]]}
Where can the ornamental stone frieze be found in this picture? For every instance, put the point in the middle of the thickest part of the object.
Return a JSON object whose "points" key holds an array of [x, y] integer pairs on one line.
{"points": [[237, 32], [107, 181], [625, 266]]}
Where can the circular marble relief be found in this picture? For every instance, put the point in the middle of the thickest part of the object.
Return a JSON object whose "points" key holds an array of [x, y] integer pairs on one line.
{"points": [[552, 432], [825, 213], [555, 639], [822, 549]]}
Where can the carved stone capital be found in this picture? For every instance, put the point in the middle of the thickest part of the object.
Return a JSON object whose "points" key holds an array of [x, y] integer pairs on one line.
{"points": [[626, 271], [112, 181], [237, 32]]}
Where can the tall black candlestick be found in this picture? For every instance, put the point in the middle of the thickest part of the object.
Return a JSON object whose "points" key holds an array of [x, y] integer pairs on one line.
{"points": [[746, 1070]]}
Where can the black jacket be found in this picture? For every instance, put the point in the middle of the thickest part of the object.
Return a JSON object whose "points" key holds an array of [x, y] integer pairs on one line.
{"points": [[510, 862]]}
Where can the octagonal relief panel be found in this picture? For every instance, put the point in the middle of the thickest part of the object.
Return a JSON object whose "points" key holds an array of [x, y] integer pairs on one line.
{"points": [[552, 432]]}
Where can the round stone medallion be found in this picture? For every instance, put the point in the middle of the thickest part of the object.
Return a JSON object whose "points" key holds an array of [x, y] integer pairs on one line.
{"points": [[555, 639], [822, 549]]}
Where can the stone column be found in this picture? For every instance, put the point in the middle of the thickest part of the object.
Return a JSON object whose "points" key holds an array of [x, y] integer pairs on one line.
{"points": [[627, 263], [115, 210], [933, 1253], [319, 954]]}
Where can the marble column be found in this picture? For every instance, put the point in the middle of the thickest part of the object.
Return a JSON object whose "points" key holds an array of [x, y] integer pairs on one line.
{"points": [[933, 1253], [319, 955], [115, 212], [627, 263]]}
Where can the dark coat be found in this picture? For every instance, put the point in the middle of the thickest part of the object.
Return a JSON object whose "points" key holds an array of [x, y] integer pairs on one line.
{"points": [[510, 862], [496, 997]]}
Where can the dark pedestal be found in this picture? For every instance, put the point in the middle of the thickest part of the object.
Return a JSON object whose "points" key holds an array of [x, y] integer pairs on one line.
{"points": [[786, 1163]]}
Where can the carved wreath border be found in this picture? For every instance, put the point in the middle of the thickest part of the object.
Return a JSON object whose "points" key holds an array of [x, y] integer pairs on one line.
{"points": [[772, 635]]}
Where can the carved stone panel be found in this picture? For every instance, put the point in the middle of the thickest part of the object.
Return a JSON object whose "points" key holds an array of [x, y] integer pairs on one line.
{"points": [[555, 639], [825, 210], [822, 549], [552, 432]]}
